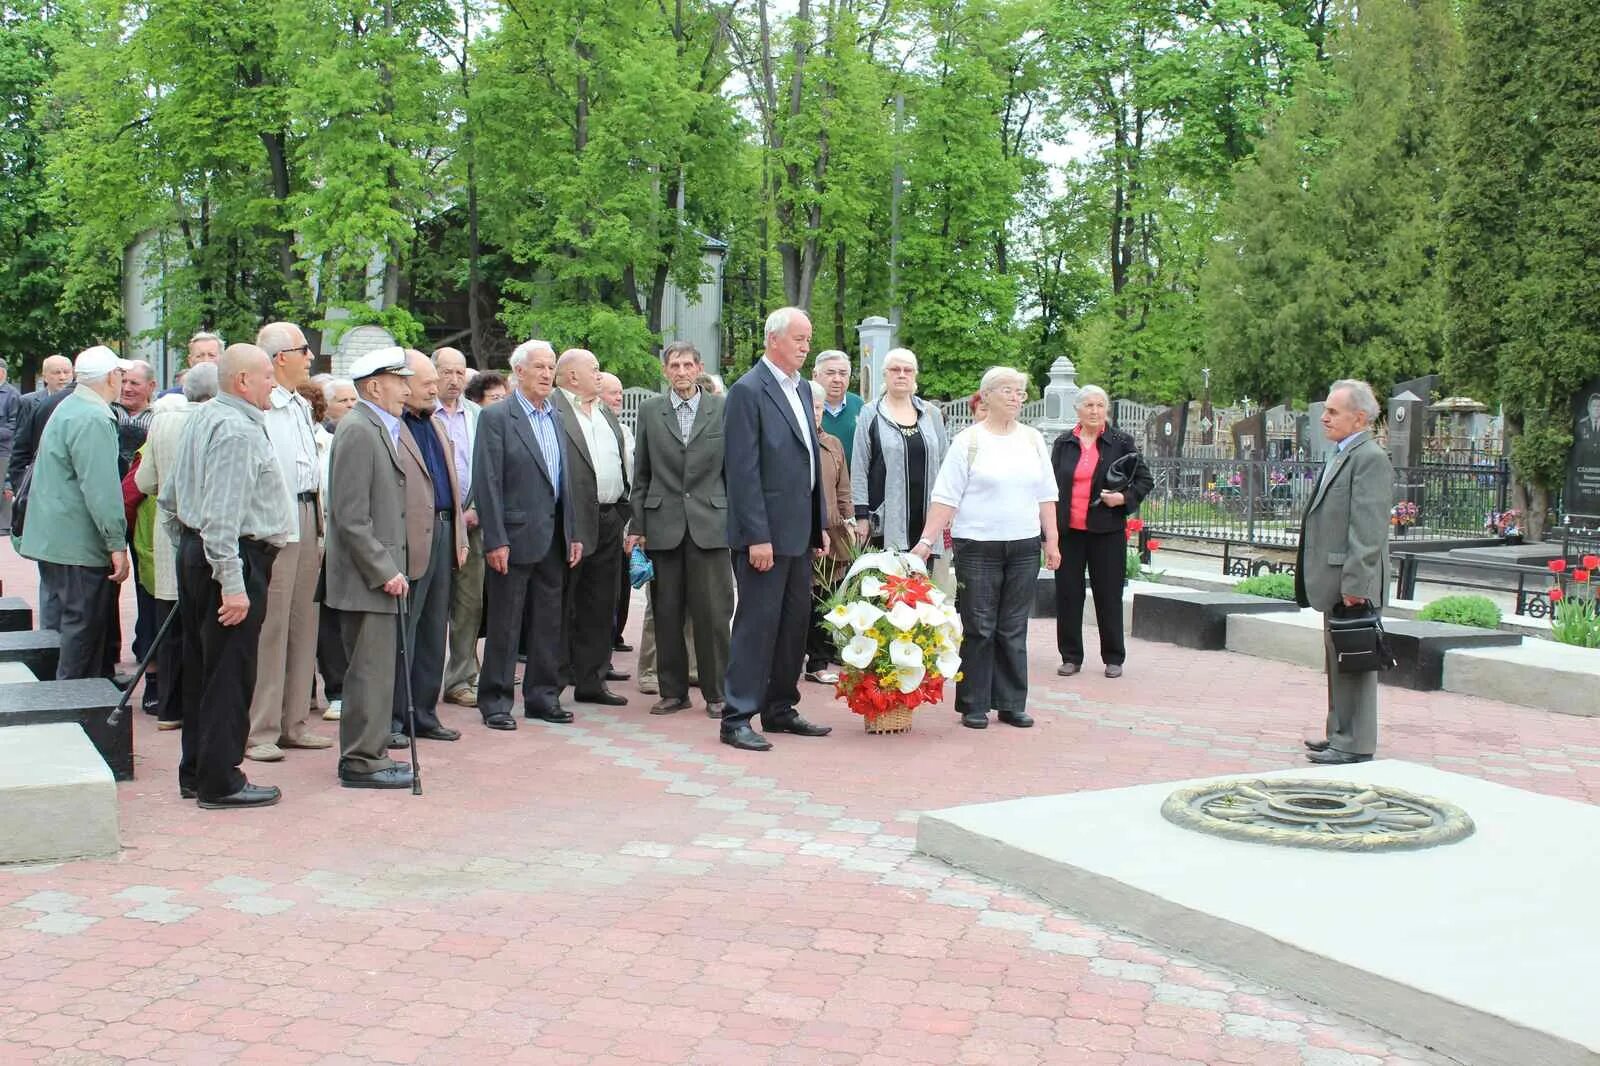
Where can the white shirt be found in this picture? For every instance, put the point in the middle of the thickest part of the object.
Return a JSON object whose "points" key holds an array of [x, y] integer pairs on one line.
{"points": [[608, 480], [791, 389], [995, 483], [289, 428]]}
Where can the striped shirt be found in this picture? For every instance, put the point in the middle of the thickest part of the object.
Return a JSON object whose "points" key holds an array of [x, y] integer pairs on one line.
{"points": [[542, 420], [227, 485]]}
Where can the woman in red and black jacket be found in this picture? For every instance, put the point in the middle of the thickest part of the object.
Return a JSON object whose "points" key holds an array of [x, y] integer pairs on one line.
{"points": [[1093, 522]]}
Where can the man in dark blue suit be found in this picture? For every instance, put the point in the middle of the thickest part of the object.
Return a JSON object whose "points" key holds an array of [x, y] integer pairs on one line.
{"points": [[775, 524], [519, 488]]}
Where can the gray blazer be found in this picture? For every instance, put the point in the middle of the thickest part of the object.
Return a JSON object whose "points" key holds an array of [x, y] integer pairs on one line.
{"points": [[366, 544], [895, 510], [512, 489], [1344, 537], [678, 488], [578, 477]]}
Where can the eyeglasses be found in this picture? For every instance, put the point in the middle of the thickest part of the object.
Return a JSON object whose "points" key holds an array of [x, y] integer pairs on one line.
{"points": [[297, 348]]}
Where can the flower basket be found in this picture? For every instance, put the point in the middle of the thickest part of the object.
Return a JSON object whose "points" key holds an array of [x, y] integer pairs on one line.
{"points": [[899, 639]]}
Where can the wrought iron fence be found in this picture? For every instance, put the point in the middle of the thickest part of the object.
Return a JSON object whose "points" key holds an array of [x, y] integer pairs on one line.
{"points": [[1261, 502]]}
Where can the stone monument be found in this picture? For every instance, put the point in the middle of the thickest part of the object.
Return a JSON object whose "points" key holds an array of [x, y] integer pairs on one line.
{"points": [[877, 339], [1060, 400], [1581, 501], [1165, 430]]}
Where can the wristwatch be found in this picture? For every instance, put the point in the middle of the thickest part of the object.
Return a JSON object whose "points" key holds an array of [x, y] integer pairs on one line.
{"points": [[925, 540]]}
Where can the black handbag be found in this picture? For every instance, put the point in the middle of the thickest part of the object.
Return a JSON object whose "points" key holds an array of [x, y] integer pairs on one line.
{"points": [[1119, 474], [1359, 643]]}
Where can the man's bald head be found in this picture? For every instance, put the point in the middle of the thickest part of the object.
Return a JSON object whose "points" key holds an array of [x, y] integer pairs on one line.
{"points": [[245, 371], [611, 392], [56, 371], [578, 371], [424, 382], [453, 375]]}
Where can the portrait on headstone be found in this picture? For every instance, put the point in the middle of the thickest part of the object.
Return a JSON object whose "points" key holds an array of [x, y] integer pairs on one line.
{"points": [[1581, 501]]}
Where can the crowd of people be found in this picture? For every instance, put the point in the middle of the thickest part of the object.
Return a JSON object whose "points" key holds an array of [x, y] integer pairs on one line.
{"points": [[349, 542]]}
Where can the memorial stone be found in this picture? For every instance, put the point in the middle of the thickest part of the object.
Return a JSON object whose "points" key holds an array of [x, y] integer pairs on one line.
{"points": [[1317, 443], [877, 340], [1165, 431], [1581, 501]]}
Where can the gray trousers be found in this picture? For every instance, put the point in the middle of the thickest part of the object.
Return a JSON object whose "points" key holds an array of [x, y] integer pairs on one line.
{"points": [[370, 641], [428, 616], [693, 587], [466, 616], [49, 601], [1352, 705], [87, 605]]}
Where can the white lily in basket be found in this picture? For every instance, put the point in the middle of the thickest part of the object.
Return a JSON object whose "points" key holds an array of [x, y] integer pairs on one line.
{"points": [[860, 652], [948, 663], [908, 667], [857, 615], [930, 614], [871, 586], [903, 617], [899, 564]]}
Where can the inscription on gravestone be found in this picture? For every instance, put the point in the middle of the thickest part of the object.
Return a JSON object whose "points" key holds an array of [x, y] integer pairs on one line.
{"points": [[1581, 501]]}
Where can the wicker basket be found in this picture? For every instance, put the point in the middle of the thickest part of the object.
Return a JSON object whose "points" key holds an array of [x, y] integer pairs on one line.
{"points": [[895, 721]]}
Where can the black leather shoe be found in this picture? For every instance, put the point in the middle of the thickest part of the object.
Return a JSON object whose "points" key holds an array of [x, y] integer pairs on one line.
{"points": [[400, 740], [185, 792], [500, 721], [799, 727], [1068, 669], [746, 739], [1020, 719], [438, 732], [396, 776], [670, 706], [621, 645], [1333, 757], [605, 698], [1113, 669], [975, 720], [557, 714], [614, 674], [715, 708], [1316, 745], [248, 796]]}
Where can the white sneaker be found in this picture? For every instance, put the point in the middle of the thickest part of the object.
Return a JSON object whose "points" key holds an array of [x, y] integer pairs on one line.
{"points": [[264, 753], [335, 707]]}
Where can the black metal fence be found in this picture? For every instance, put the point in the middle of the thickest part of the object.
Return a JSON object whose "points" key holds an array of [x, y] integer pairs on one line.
{"points": [[1260, 503]]}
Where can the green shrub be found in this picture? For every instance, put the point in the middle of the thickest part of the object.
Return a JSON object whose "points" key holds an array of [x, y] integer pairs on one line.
{"points": [[1272, 586], [1478, 611]]}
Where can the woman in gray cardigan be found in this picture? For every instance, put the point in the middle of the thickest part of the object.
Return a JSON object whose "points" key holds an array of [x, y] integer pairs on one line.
{"points": [[900, 443]]}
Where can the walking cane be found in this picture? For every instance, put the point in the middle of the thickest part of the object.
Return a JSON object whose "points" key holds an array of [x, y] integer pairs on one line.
{"points": [[144, 664], [403, 619]]}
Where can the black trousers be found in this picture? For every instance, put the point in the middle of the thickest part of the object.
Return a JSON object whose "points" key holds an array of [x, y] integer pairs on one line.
{"points": [[169, 666], [619, 620], [996, 578], [428, 615], [88, 599], [148, 612], [222, 678], [692, 584], [591, 601], [332, 662], [769, 639], [1106, 557], [524, 610]]}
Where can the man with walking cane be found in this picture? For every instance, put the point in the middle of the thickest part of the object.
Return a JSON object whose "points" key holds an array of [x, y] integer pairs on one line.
{"points": [[225, 506], [366, 564]]}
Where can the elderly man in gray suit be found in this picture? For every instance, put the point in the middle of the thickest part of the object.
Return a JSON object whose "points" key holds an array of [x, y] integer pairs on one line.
{"points": [[680, 516], [366, 563], [519, 486], [1344, 560]]}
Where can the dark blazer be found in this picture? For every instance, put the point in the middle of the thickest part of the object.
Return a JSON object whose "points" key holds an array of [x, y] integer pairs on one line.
{"points": [[37, 407], [1344, 537], [678, 488], [419, 499], [366, 544], [512, 489], [580, 500], [766, 468], [1114, 444]]}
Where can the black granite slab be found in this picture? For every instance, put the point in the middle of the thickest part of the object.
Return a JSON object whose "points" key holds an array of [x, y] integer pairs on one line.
{"points": [[37, 649], [88, 702], [1191, 618], [1419, 649], [16, 615]]}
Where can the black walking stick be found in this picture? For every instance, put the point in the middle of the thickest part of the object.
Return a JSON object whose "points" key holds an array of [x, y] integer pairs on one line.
{"points": [[144, 664], [402, 618]]}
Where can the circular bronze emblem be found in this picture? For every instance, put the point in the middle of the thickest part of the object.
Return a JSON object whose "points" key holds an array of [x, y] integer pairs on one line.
{"points": [[1334, 815]]}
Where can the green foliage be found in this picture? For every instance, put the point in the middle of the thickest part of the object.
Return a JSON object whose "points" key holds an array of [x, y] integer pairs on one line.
{"points": [[401, 324], [1478, 611], [1272, 586], [1576, 622]]}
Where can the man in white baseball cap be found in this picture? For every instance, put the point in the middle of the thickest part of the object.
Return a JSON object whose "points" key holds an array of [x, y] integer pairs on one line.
{"points": [[75, 526]]}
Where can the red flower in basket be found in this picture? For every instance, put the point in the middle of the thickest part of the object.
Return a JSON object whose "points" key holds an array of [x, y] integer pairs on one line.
{"points": [[1580, 575], [1556, 595], [1558, 566], [1591, 562]]}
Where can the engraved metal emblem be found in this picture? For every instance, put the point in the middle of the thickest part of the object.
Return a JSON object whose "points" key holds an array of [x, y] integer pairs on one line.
{"points": [[1333, 815]]}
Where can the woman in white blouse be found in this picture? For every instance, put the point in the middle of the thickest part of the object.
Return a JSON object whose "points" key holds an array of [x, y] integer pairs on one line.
{"points": [[997, 486]]}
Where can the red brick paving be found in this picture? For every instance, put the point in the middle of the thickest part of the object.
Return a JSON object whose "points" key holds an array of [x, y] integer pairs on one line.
{"points": [[626, 890]]}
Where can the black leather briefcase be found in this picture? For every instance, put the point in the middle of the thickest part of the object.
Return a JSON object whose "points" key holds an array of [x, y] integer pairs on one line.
{"points": [[1359, 642]]}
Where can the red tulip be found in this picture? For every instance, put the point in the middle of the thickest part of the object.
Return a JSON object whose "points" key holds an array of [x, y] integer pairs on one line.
{"points": [[1153, 545], [1580, 575], [1135, 525], [1591, 562], [1558, 566], [1556, 595]]}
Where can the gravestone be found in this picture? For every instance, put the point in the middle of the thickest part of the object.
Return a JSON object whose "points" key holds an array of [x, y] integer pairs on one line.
{"points": [[876, 335], [1406, 429], [1279, 432], [1250, 437], [1165, 431], [1060, 400], [1317, 443], [1208, 421], [15, 615], [1581, 501], [87, 702]]}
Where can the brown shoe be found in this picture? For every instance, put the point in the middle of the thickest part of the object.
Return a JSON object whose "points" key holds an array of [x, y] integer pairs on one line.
{"points": [[310, 741], [670, 705], [1068, 669], [714, 708], [1113, 669], [465, 696]]}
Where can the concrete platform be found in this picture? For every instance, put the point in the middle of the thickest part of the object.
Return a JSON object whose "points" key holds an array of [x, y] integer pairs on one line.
{"points": [[58, 795], [37, 649], [15, 674], [1536, 673], [16, 615], [1194, 619], [87, 703], [1420, 647], [1481, 949], [1287, 636]]}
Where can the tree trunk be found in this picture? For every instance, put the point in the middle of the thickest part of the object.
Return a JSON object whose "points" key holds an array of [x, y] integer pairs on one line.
{"points": [[839, 334]]}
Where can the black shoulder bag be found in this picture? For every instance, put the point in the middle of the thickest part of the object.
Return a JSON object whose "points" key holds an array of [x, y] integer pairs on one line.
{"points": [[1359, 642]]}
